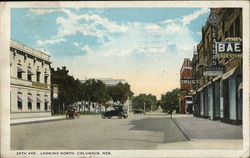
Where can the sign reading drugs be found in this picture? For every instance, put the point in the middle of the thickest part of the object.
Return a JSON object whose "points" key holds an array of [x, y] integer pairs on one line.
{"points": [[189, 81], [213, 71], [230, 48]]}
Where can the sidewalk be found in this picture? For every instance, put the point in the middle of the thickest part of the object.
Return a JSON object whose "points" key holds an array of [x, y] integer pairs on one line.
{"points": [[35, 119], [204, 134]]}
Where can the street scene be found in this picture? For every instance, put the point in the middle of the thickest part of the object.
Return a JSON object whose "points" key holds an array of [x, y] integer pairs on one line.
{"points": [[126, 79]]}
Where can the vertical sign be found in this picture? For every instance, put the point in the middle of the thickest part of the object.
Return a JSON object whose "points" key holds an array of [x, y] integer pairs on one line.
{"points": [[214, 20], [214, 39]]}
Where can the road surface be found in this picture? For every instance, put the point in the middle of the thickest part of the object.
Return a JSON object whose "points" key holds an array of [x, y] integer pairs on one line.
{"points": [[137, 132]]}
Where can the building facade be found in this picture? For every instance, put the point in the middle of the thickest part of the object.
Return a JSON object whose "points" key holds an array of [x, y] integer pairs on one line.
{"points": [[219, 96], [185, 100], [29, 80]]}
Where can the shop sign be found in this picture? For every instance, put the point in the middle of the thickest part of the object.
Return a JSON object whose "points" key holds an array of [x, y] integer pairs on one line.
{"points": [[213, 71], [183, 92], [231, 48], [189, 81], [40, 85], [214, 20]]}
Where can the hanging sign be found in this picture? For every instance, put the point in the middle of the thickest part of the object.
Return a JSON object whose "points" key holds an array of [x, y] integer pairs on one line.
{"points": [[230, 48], [213, 70]]}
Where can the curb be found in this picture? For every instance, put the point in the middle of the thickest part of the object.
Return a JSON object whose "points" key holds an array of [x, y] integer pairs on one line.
{"points": [[36, 121], [181, 130]]}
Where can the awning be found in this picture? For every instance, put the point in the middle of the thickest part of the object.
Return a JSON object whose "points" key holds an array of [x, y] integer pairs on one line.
{"points": [[30, 98], [198, 90], [19, 97], [240, 87], [229, 73], [30, 72], [38, 99], [217, 77], [46, 100], [19, 69]]}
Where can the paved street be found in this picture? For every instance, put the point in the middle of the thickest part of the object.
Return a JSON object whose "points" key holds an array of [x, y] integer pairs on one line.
{"points": [[138, 132]]}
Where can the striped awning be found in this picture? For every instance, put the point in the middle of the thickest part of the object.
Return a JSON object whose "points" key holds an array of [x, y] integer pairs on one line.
{"points": [[20, 69], [19, 97], [217, 77], [229, 73], [30, 98], [30, 72], [38, 99], [46, 100]]}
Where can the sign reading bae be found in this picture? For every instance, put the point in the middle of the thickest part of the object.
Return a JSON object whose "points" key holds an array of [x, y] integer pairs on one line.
{"points": [[231, 47]]}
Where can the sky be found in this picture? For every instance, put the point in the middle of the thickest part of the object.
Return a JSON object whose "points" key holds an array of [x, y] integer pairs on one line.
{"points": [[144, 46]]}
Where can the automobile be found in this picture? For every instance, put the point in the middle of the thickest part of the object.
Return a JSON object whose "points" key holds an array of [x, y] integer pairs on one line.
{"points": [[116, 111], [72, 112]]}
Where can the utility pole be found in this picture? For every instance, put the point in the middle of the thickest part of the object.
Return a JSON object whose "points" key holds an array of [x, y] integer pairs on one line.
{"points": [[144, 108]]}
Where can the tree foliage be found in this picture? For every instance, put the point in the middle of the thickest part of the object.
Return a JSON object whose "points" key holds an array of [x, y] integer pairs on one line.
{"points": [[120, 92], [69, 89], [170, 101], [150, 101], [72, 90]]}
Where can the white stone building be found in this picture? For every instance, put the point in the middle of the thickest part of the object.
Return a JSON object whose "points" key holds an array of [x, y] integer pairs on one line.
{"points": [[29, 81]]}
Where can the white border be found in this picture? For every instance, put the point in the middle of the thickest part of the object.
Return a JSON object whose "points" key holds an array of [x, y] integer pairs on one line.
{"points": [[5, 72]]}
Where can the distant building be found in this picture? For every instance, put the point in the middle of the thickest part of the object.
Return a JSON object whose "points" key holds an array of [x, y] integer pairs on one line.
{"points": [[29, 81], [109, 81], [185, 100]]}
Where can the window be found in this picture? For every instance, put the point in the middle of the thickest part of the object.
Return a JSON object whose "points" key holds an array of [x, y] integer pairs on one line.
{"points": [[19, 105], [29, 77], [29, 105], [45, 79], [45, 106], [237, 27], [38, 105], [231, 31], [38, 76], [19, 74]]}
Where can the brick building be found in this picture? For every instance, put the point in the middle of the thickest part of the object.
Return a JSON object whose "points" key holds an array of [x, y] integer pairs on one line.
{"points": [[185, 99], [219, 96]]}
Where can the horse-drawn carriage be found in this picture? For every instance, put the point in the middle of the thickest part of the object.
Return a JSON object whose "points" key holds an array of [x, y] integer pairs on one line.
{"points": [[72, 112]]}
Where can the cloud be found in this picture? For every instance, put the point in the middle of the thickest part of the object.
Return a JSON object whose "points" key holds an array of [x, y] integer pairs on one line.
{"points": [[124, 38], [52, 41], [188, 18]]}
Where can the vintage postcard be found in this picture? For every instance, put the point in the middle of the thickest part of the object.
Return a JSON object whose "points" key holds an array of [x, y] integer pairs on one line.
{"points": [[124, 79]]}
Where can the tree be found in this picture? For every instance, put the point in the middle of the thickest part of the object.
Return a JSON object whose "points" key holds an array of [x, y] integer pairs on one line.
{"points": [[120, 93], [95, 91], [69, 89], [149, 101], [170, 101]]}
